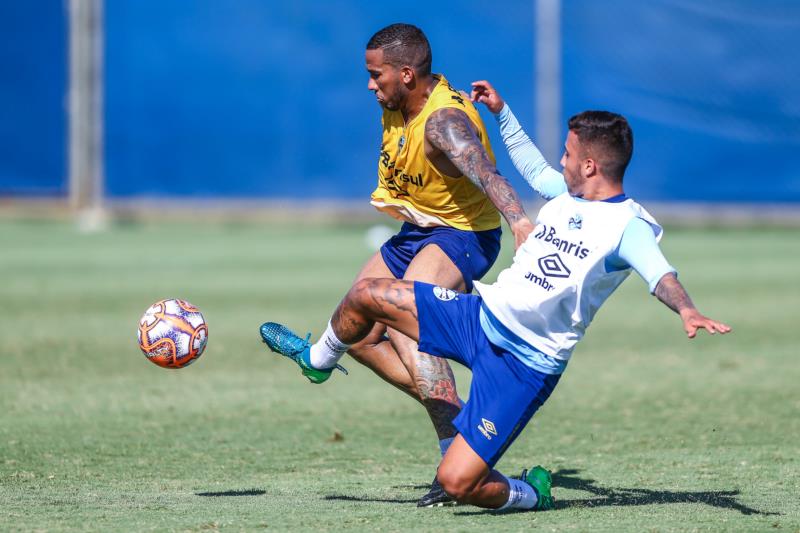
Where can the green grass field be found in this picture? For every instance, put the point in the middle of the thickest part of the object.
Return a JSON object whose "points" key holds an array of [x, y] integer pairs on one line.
{"points": [[647, 431]]}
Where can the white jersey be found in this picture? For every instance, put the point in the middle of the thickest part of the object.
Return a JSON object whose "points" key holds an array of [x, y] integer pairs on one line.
{"points": [[559, 278]]}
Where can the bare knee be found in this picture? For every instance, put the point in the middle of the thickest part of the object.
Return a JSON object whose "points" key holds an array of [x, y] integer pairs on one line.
{"points": [[406, 348], [359, 293], [363, 351], [455, 483], [358, 352]]}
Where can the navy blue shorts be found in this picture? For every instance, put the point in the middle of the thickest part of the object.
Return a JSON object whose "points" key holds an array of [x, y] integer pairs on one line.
{"points": [[473, 252], [504, 393]]}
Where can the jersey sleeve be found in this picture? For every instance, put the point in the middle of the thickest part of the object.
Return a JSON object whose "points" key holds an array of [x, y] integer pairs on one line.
{"points": [[639, 250], [527, 158]]}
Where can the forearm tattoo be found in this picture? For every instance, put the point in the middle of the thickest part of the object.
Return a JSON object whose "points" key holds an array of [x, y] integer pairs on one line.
{"points": [[670, 291], [451, 131]]}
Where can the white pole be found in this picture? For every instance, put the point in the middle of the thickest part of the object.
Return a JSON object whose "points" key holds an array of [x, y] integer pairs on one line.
{"points": [[86, 172], [548, 79]]}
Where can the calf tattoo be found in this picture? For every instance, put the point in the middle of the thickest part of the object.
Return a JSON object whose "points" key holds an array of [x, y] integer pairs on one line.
{"points": [[373, 300], [437, 391]]}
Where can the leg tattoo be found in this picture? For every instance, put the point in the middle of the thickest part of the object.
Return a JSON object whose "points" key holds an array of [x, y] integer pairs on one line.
{"points": [[437, 389], [371, 300]]}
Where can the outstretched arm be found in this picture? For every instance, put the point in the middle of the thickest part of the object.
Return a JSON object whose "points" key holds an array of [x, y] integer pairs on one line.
{"points": [[450, 131], [527, 158], [670, 291]]}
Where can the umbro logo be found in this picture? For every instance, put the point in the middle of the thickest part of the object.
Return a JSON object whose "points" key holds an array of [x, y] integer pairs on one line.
{"points": [[576, 222], [553, 266], [487, 428]]}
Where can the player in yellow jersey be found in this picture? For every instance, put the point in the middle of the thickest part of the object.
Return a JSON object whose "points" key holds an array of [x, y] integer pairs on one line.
{"points": [[436, 172]]}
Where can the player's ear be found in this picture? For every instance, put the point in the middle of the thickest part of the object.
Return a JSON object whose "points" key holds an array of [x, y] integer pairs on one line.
{"points": [[407, 74], [589, 167]]}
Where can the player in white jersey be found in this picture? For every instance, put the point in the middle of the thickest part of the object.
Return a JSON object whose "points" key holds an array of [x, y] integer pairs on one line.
{"points": [[517, 334]]}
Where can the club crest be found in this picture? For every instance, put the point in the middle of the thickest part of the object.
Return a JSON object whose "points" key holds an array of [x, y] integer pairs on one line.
{"points": [[444, 294]]}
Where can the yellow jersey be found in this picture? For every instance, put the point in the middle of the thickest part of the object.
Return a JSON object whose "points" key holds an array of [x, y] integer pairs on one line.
{"points": [[410, 188]]}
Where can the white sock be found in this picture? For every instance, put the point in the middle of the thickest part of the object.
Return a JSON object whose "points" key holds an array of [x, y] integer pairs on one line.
{"points": [[444, 445], [327, 351], [520, 495]]}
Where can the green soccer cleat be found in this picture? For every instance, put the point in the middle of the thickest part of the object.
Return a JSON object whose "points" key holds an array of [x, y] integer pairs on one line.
{"points": [[282, 340], [539, 478]]}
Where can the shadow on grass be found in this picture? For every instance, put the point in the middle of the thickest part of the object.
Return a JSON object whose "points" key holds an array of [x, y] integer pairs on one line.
{"points": [[603, 496], [626, 497], [345, 498], [245, 492]]}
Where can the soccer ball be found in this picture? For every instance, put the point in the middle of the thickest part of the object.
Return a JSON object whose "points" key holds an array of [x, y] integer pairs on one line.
{"points": [[172, 333]]}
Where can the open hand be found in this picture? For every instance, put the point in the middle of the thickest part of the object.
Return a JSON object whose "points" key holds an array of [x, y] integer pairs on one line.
{"points": [[693, 321], [483, 92]]}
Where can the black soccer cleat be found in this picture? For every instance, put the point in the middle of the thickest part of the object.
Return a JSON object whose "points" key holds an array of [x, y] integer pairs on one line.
{"points": [[436, 497]]}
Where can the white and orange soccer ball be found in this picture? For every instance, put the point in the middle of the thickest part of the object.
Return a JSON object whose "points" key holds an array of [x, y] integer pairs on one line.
{"points": [[172, 333]]}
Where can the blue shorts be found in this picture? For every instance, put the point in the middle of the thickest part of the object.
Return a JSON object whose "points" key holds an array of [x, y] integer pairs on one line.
{"points": [[504, 393], [473, 252]]}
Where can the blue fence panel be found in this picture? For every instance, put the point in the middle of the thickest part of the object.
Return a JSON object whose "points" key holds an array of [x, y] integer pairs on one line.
{"points": [[710, 89], [33, 78], [269, 99]]}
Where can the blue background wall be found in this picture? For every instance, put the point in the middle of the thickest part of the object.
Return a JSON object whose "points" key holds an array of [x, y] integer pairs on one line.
{"points": [[253, 98], [33, 78], [712, 90]]}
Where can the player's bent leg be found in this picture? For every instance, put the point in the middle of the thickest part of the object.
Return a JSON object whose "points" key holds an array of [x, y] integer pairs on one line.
{"points": [[436, 390], [377, 353], [468, 478], [432, 375], [388, 301], [434, 383], [465, 476]]}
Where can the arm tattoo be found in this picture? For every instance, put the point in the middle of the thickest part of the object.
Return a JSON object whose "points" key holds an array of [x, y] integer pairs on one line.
{"points": [[670, 291], [451, 131]]}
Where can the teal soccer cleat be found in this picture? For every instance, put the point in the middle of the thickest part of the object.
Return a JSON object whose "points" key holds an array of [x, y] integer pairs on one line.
{"points": [[282, 340], [539, 478]]}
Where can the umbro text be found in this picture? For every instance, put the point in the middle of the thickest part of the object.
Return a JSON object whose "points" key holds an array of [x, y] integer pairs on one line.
{"points": [[542, 282]]}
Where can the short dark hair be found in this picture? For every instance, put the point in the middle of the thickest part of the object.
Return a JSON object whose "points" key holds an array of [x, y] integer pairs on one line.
{"points": [[403, 44], [607, 137]]}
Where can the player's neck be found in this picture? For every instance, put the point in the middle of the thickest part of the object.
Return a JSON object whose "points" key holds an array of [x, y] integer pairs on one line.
{"points": [[602, 188], [418, 97]]}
